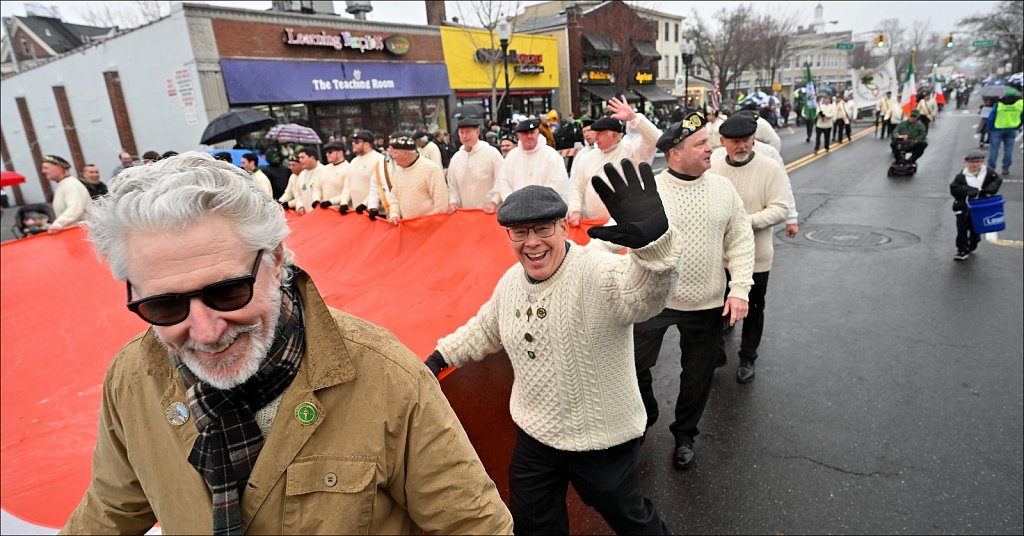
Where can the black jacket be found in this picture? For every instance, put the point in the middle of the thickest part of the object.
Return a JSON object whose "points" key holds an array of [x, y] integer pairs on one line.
{"points": [[962, 192]]}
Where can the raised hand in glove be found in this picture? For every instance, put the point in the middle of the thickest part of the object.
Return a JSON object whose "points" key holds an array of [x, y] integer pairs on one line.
{"points": [[373, 214], [436, 363], [360, 208], [314, 204], [637, 210], [325, 204], [343, 209]]}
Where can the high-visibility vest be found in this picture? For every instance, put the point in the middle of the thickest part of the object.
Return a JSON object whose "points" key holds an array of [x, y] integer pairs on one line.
{"points": [[1008, 115]]}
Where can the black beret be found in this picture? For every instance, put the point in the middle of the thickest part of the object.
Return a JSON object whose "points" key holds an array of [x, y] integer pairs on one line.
{"points": [[527, 125], [333, 146], [586, 120], [607, 123], [749, 105], [402, 140], [675, 134], [419, 134], [740, 125], [57, 161], [531, 203], [469, 122], [364, 135]]}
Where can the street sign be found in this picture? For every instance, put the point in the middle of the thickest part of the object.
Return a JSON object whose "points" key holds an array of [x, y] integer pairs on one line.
{"points": [[984, 43], [844, 46]]}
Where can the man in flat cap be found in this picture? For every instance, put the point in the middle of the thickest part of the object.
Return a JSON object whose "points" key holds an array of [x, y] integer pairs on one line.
{"points": [[368, 179], [564, 316], [334, 188], [287, 198], [709, 216], [764, 188], [612, 148], [472, 171], [71, 199], [418, 186], [975, 181], [532, 162], [428, 149]]}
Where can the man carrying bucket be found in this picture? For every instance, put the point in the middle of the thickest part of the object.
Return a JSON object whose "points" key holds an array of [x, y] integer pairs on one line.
{"points": [[976, 181]]}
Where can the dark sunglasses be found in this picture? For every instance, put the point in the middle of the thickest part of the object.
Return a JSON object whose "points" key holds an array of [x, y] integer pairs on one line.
{"points": [[170, 309]]}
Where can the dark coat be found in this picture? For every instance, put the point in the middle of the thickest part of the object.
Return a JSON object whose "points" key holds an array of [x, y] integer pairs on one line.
{"points": [[962, 192]]}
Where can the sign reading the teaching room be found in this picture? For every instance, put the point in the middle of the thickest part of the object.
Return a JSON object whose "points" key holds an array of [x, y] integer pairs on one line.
{"points": [[595, 76], [356, 82], [643, 77], [396, 44]]}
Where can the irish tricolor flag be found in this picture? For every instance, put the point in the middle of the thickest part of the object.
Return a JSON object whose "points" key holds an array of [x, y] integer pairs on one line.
{"points": [[909, 101]]}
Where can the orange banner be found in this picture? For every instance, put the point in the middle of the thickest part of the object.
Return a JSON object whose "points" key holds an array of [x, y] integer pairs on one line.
{"points": [[63, 317]]}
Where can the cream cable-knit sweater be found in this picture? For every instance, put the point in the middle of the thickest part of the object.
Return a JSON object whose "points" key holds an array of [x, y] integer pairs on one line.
{"points": [[637, 147], [418, 190], [570, 341], [334, 183], [471, 176], [362, 179], [70, 201], [764, 149], [543, 165], [761, 183]]}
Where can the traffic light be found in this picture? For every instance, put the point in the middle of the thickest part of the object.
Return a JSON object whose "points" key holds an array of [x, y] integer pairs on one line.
{"points": [[947, 42], [880, 41]]}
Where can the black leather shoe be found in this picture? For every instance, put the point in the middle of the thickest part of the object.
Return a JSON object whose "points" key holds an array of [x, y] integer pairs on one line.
{"points": [[745, 372], [683, 458]]}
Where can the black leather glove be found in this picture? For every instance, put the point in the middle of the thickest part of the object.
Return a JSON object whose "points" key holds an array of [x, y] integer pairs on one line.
{"points": [[325, 204], [436, 363], [373, 214], [315, 204], [637, 209], [360, 208], [343, 209]]}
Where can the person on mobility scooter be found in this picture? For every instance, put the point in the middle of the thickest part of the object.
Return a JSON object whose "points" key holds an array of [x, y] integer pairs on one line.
{"points": [[907, 137]]}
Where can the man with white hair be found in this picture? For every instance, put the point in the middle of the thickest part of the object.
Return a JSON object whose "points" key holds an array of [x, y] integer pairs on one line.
{"points": [[250, 405]]}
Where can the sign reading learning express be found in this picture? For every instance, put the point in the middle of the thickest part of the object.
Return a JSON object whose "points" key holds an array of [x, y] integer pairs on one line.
{"points": [[259, 81]]}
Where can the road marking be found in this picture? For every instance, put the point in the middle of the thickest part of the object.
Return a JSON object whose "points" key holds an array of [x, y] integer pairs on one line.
{"points": [[807, 159], [993, 238]]}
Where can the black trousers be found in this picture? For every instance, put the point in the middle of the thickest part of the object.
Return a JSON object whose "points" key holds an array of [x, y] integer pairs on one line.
{"points": [[916, 150], [827, 132], [810, 127], [700, 344], [966, 239], [926, 122], [837, 132], [753, 324], [607, 480]]}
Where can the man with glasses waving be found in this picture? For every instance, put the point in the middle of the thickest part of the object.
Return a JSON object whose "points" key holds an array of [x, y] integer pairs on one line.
{"points": [[564, 316], [250, 405]]}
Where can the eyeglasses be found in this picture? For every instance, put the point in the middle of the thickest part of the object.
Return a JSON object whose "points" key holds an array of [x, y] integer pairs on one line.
{"points": [[522, 232], [170, 309]]}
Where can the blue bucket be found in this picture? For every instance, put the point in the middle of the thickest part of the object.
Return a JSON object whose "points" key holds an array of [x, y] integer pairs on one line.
{"points": [[987, 214]]}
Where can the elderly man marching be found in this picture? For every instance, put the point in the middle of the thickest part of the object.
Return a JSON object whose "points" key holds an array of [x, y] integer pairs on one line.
{"points": [[764, 188], [418, 186], [564, 316], [472, 171], [250, 405], [532, 162], [612, 148]]}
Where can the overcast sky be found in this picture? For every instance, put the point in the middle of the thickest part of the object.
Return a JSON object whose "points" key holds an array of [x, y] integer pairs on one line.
{"points": [[854, 16]]}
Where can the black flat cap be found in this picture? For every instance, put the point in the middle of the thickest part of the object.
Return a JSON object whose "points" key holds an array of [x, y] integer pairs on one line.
{"points": [[57, 161], [531, 203], [527, 125], [676, 133], [469, 122], [607, 123], [333, 146], [976, 154], [419, 134], [402, 140], [586, 120], [364, 135], [740, 125]]}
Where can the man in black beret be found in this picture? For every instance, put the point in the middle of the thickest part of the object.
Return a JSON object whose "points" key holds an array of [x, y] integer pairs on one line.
{"points": [[563, 315], [532, 162], [473, 170], [417, 185]]}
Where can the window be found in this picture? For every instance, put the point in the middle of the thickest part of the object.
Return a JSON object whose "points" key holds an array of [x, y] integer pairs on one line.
{"points": [[677, 63], [677, 32], [25, 48], [666, 31], [817, 63], [664, 68], [699, 71]]}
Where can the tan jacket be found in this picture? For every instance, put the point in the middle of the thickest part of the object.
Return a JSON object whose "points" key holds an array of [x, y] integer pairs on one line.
{"points": [[386, 454]]}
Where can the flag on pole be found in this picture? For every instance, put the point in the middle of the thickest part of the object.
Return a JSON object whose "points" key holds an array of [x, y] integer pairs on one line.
{"points": [[811, 108], [909, 101], [714, 95], [940, 98]]}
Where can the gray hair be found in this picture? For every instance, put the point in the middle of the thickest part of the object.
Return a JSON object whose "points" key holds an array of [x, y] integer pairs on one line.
{"points": [[173, 193]]}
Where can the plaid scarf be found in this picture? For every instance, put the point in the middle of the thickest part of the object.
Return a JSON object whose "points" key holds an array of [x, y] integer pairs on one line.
{"points": [[229, 438]]}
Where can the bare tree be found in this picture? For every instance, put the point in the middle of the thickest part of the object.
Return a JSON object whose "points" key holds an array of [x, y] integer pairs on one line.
{"points": [[123, 14], [1004, 24], [774, 33], [726, 52], [485, 15]]}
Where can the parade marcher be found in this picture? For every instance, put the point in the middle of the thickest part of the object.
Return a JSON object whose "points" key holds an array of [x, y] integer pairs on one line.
{"points": [[589, 137], [563, 315], [473, 170], [333, 185], [612, 148], [928, 109], [793, 218], [246, 406], [714, 121], [885, 107], [287, 199], [911, 132], [974, 182], [428, 149], [250, 163], [532, 162], [366, 173], [826, 114], [1003, 123], [71, 198], [708, 214], [763, 186], [91, 181], [307, 183], [417, 184], [766, 133], [508, 142], [126, 160], [842, 123]]}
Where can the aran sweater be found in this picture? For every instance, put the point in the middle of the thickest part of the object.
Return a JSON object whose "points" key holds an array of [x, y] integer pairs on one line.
{"points": [[334, 183], [761, 184], [570, 341], [431, 152], [418, 190], [362, 179], [543, 165], [637, 147], [766, 134], [767, 150], [70, 201], [471, 176]]}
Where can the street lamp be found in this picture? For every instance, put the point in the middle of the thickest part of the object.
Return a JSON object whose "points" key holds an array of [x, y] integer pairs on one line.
{"points": [[504, 29], [687, 48]]}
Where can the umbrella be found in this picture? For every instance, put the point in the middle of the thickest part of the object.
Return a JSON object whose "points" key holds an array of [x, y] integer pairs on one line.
{"points": [[10, 178], [993, 92], [469, 110], [293, 133], [231, 125]]}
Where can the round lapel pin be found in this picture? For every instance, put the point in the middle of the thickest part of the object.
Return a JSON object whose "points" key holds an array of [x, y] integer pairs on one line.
{"points": [[177, 413], [306, 413]]}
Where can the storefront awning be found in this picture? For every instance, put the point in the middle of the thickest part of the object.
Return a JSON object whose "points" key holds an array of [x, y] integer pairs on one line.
{"points": [[601, 43], [602, 92], [646, 50], [653, 93]]}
